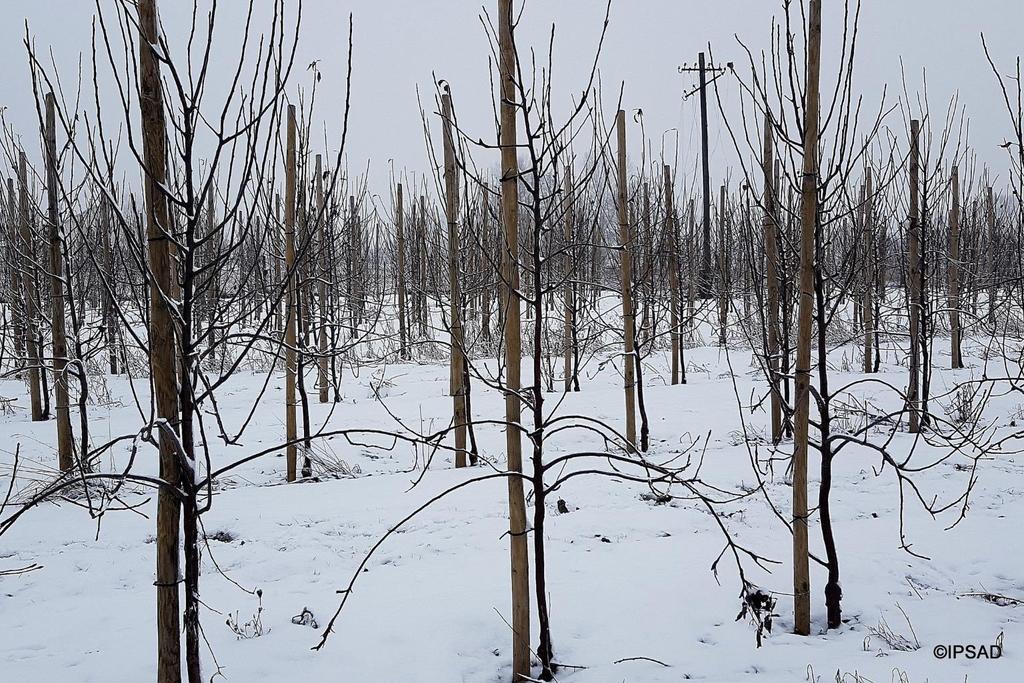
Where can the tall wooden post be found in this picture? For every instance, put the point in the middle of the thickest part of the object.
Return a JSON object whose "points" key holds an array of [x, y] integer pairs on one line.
{"points": [[569, 315], [672, 233], [914, 282], [162, 343], [723, 269], [211, 292], [110, 321], [513, 344], [626, 273], [31, 300], [647, 272], [705, 260], [771, 269], [14, 263], [403, 324], [291, 312], [808, 217], [58, 290], [990, 245], [323, 381], [488, 240], [458, 374], [956, 359], [868, 248]]}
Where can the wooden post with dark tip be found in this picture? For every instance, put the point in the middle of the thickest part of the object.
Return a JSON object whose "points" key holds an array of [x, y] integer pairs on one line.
{"points": [[723, 269], [914, 282], [808, 220], [569, 304], [58, 290], [672, 232], [403, 324], [626, 274], [291, 312], [956, 359], [458, 374], [520, 563], [990, 261], [323, 381], [870, 270], [31, 300], [162, 344], [771, 269]]}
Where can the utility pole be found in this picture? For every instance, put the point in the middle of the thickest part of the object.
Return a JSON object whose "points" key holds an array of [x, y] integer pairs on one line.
{"points": [[703, 68]]}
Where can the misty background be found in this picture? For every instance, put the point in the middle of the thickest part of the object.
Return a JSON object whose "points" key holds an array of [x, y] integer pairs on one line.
{"points": [[400, 45]]}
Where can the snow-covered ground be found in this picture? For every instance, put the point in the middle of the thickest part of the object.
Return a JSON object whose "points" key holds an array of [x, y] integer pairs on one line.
{"points": [[629, 578]]}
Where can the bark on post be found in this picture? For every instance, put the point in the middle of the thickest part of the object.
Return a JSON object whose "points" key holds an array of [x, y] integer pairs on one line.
{"points": [[403, 325], [65, 442], [109, 319], [291, 312], [771, 267], [868, 248], [569, 315], [990, 217], [626, 273], [672, 232], [723, 269], [956, 359], [31, 300], [458, 374], [323, 382], [876, 290], [513, 350], [808, 217], [278, 235], [212, 295], [17, 307], [487, 237], [914, 282], [162, 344]]}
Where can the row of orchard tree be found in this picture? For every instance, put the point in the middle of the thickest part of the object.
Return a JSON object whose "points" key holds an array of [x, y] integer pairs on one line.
{"points": [[211, 235]]}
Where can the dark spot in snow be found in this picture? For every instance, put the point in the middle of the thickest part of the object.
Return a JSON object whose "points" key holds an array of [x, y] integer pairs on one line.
{"points": [[222, 535]]}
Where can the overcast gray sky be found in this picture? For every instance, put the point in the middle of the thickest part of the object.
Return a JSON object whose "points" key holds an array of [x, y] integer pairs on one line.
{"points": [[400, 44]]}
